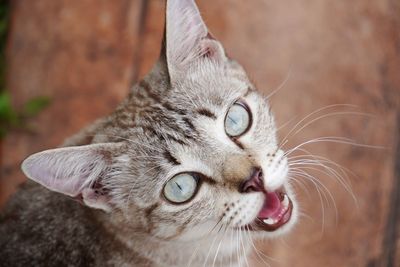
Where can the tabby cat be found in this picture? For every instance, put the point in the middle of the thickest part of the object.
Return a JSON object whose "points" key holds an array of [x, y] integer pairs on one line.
{"points": [[186, 172]]}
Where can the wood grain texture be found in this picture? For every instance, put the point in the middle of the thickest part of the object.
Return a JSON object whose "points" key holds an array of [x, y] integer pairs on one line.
{"points": [[329, 52]]}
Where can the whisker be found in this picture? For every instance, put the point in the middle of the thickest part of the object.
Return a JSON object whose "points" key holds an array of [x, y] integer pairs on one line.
{"points": [[319, 195], [312, 114], [328, 172], [209, 250], [198, 246], [300, 183], [285, 124], [231, 254], [326, 190], [281, 85], [319, 160], [258, 253], [239, 258], [332, 139], [331, 115], [302, 214], [219, 246], [243, 247]]}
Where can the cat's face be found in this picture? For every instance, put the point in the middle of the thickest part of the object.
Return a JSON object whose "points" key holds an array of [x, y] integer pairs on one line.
{"points": [[221, 165], [191, 152]]}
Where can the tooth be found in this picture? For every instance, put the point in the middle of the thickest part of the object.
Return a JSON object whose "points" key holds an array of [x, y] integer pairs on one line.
{"points": [[285, 201], [269, 221]]}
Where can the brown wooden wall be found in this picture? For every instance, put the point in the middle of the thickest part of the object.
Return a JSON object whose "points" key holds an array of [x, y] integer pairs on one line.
{"points": [[85, 55]]}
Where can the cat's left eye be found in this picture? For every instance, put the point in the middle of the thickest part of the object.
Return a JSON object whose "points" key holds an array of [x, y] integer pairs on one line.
{"points": [[181, 188], [237, 120]]}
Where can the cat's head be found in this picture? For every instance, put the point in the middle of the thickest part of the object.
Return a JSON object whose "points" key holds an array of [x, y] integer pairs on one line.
{"points": [[192, 150]]}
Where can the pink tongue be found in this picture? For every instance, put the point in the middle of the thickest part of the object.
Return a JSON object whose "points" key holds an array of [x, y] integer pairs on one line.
{"points": [[272, 206]]}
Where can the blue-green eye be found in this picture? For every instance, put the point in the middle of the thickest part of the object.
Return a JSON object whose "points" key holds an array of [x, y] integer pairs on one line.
{"points": [[238, 120], [181, 188]]}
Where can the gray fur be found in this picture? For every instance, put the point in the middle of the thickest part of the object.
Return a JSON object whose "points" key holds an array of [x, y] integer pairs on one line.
{"points": [[42, 228], [172, 121]]}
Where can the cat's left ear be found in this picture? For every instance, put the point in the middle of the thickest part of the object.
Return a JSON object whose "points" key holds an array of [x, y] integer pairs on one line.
{"points": [[187, 39], [80, 172]]}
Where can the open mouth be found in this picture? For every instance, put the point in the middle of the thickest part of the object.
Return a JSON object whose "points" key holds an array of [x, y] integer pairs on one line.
{"points": [[275, 213]]}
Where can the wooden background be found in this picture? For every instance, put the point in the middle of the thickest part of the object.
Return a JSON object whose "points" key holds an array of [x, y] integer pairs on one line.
{"points": [[85, 55]]}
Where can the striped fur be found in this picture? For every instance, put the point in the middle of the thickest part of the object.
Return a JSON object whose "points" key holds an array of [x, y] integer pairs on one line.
{"points": [[173, 121]]}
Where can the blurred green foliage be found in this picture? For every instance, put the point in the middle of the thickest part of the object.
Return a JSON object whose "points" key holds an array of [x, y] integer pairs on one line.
{"points": [[9, 117]]}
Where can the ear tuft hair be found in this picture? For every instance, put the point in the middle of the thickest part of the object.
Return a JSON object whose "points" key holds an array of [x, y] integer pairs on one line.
{"points": [[187, 38], [72, 171]]}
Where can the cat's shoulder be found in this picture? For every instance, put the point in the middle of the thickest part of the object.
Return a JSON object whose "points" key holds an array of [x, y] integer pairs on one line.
{"points": [[32, 198], [37, 226]]}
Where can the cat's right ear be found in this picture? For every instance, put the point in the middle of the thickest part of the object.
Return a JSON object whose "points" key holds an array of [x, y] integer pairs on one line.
{"points": [[187, 39], [80, 172]]}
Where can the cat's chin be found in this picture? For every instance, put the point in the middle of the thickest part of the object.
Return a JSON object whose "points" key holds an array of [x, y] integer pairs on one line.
{"points": [[277, 214]]}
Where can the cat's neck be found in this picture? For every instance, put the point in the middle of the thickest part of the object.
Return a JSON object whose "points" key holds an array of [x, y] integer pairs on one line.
{"points": [[223, 249], [212, 251]]}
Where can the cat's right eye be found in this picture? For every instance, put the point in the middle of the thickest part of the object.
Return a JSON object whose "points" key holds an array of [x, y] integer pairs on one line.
{"points": [[237, 120], [181, 188]]}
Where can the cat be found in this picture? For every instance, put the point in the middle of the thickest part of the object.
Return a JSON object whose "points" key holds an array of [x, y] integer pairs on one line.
{"points": [[187, 171]]}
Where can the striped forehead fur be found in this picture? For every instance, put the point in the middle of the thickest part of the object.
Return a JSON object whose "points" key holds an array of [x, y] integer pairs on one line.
{"points": [[173, 122]]}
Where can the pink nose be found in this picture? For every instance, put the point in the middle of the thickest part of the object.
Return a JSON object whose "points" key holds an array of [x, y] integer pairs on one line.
{"points": [[255, 183]]}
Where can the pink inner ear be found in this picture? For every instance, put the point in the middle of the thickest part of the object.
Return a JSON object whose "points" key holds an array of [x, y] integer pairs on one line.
{"points": [[73, 171], [65, 170], [95, 199], [187, 38], [185, 28], [212, 49], [51, 174]]}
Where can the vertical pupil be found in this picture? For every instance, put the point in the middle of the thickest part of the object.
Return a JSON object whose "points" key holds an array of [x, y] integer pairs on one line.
{"points": [[180, 188], [232, 120], [237, 120]]}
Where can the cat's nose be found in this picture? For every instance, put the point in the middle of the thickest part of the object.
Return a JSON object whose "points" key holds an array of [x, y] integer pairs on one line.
{"points": [[254, 183]]}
